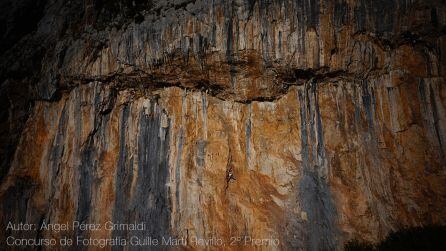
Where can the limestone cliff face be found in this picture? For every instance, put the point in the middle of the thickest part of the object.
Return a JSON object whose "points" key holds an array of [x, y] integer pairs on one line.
{"points": [[331, 116]]}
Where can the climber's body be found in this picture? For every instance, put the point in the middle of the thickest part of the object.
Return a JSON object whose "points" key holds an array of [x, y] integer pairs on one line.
{"points": [[229, 171], [230, 176]]}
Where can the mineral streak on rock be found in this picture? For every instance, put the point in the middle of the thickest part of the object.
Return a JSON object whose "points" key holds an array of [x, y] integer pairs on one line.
{"points": [[330, 115]]}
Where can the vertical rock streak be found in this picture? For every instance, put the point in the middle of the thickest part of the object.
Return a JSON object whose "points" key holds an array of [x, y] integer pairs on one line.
{"points": [[314, 192]]}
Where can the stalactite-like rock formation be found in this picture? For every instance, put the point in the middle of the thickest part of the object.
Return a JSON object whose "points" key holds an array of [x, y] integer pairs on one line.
{"points": [[330, 117]]}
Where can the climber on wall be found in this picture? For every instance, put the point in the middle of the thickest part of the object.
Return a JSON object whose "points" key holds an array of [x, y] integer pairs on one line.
{"points": [[229, 172], [230, 175]]}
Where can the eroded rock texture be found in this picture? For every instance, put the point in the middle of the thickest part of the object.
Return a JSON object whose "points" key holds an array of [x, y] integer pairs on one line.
{"points": [[329, 114]]}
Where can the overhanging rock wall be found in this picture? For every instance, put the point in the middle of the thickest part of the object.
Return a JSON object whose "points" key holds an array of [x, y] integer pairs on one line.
{"points": [[330, 115]]}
